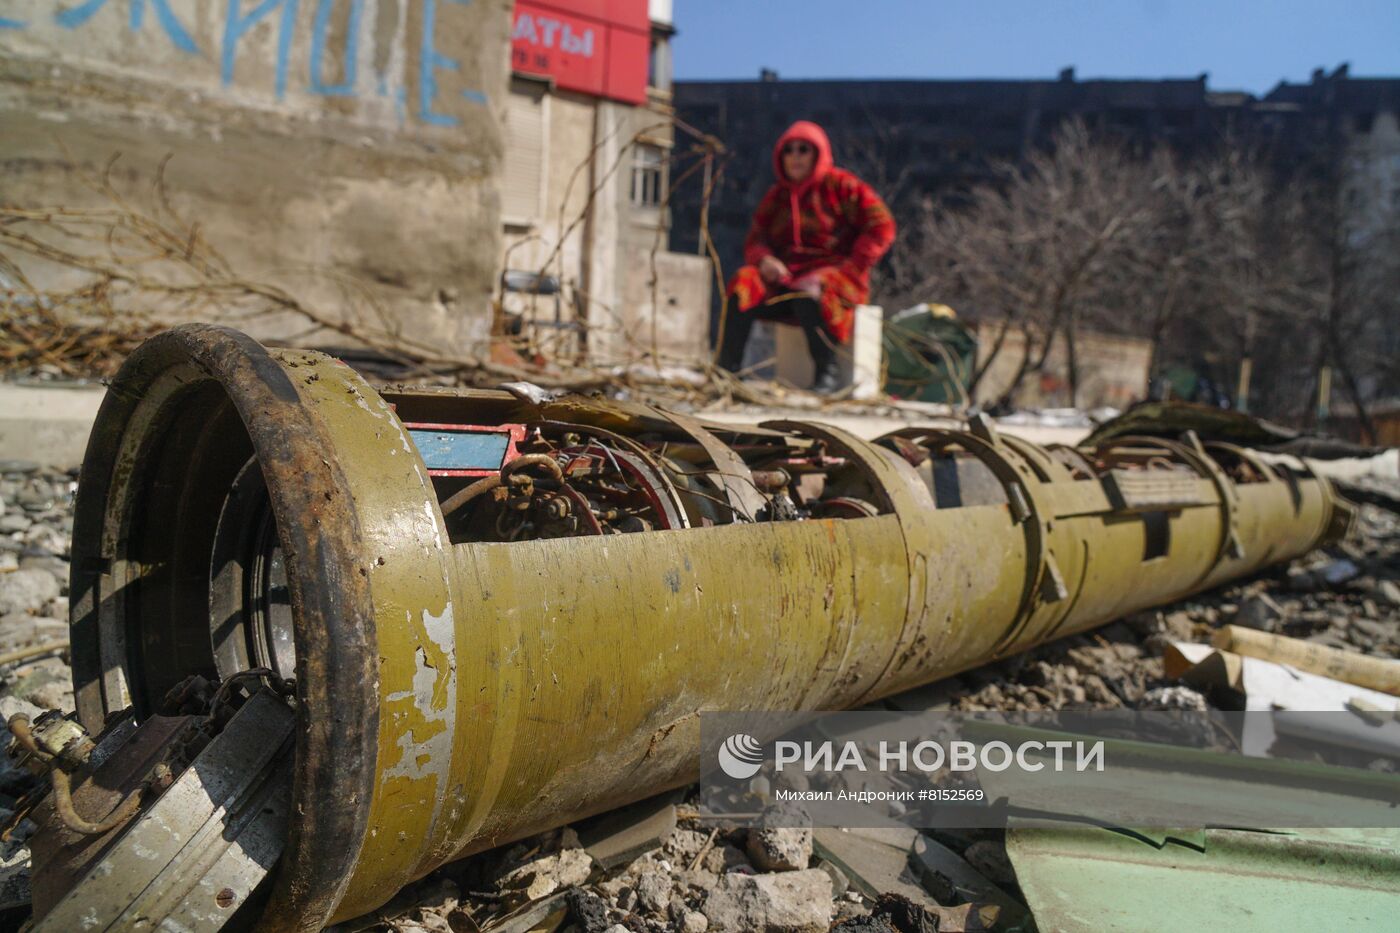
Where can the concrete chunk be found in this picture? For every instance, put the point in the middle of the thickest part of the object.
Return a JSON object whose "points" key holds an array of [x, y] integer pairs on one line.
{"points": [[789, 902]]}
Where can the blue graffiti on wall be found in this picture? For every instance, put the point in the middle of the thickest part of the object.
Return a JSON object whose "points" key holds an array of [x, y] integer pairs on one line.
{"points": [[429, 61], [239, 20], [236, 25], [136, 18], [346, 88]]}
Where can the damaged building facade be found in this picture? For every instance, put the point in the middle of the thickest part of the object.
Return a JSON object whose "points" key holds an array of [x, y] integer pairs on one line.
{"points": [[948, 135], [588, 136], [309, 142], [939, 139], [413, 149]]}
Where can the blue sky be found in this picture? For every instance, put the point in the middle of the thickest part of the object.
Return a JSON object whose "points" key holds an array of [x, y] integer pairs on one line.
{"points": [[1242, 44]]}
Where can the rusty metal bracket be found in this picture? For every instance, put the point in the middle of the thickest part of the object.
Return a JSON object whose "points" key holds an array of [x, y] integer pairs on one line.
{"points": [[734, 476], [1043, 582], [1194, 455]]}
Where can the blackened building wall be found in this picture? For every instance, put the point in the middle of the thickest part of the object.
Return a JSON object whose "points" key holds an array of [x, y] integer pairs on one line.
{"points": [[940, 137], [936, 137]]}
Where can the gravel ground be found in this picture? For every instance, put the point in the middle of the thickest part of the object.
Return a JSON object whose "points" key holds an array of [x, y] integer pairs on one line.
{"points": [[36, 523], [702, 876]]}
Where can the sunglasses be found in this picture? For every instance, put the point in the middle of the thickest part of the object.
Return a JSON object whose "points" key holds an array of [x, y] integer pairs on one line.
{"points": [[798, 148]]}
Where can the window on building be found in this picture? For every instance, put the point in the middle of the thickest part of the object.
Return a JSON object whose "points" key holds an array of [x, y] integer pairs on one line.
{"points": [[659, 61], [648, 175], [526, 126]]}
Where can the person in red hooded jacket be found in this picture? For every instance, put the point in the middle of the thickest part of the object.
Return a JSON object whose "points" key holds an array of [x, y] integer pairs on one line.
{"points": [[808, 253]]}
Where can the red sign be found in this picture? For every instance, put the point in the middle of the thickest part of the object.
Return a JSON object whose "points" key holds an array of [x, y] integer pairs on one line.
{"points": [[597, 47]]}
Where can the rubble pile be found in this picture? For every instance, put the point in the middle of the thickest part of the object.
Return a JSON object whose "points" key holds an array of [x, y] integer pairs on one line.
{"points": [[660, 865], [706, 876]]}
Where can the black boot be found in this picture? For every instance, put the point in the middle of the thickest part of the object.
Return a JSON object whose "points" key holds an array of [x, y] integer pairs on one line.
{"points": [[826, 379], [737, 325], [826, 370]]}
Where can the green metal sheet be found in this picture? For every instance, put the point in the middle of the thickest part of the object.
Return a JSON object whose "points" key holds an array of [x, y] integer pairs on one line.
{"points": [[1218, 879]]}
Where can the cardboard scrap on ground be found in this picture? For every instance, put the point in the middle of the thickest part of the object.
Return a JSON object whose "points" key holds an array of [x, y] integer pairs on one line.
{"points": [[1266, 685], [1282, 689]]}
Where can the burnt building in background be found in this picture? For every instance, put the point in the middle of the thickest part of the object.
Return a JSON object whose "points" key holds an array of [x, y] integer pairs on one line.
{"points": [[1332, 111], [928, 143], [936, 137], [939, 138]]}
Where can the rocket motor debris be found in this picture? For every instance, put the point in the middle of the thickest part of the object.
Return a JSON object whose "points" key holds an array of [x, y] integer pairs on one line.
{"points": [[501, 614]]}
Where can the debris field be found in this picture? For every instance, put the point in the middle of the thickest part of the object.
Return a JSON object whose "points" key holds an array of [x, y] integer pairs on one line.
{"points": [[658, 865]]}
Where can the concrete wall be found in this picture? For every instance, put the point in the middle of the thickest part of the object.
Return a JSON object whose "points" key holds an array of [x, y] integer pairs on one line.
{"points": [[676, 303], [1371, 199], [47, 425], [1373, 175], [337, 137], [1112, 370]]}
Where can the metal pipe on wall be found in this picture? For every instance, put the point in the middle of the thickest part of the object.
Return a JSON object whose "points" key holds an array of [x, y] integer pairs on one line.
{"points": [[542, 652]]}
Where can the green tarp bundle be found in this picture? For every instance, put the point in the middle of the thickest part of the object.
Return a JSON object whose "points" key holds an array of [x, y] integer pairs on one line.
{"points": [[930, 355]]}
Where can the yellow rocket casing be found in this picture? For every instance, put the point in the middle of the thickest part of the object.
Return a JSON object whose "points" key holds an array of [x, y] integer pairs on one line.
{"points": [[452, 697]]}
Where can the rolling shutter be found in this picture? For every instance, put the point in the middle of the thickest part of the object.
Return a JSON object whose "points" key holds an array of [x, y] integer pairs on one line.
{"points": [[525, 138]]}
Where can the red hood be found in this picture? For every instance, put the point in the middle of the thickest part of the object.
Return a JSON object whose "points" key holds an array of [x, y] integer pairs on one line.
{"points": [[808, 132]]}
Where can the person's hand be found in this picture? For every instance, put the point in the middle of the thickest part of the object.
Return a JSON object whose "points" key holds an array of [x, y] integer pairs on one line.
{"points": [[772, 270], [809, 285]]}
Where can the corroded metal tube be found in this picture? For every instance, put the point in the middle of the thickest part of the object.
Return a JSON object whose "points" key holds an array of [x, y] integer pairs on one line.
{"points": [[543, 652]]}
